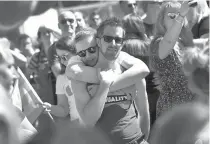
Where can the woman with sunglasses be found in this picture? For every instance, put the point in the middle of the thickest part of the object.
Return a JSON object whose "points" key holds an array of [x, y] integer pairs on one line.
{"points": [[65, 49], [172, 37]]}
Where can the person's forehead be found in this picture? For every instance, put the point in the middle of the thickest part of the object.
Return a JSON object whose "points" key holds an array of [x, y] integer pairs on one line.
{"points": [[85, 43], [66, 15], [113, 31]]}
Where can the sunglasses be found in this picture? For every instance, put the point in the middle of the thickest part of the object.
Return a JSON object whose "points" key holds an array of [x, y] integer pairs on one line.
{"points": [[83, 52], [109, 39], [64, 21]]}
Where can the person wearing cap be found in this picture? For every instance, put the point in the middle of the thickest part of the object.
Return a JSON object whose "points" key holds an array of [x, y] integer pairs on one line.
{"points": [[39, 68]]}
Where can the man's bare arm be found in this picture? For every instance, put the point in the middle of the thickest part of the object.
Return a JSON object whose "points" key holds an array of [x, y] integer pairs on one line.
{"points": [[90, 108], [136, 70], [142, 105]]}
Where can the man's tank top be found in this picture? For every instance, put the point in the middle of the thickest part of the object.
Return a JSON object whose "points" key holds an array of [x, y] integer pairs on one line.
{"points": [[119, 118]]}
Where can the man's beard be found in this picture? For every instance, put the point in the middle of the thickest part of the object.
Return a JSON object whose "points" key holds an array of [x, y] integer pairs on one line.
{"points": [[110, 56]]}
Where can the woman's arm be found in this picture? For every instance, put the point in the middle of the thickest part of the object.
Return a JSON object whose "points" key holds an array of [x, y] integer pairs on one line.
{"points": [[171, 36]]}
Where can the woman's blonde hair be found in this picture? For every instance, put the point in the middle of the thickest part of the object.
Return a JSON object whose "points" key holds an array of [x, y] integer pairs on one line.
{"points": [[196, 67], [202, 9]]}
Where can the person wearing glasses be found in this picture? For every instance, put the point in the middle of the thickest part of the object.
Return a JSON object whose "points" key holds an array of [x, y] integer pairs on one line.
{"points": [[65, 49], [67, 23], [118, 113]]}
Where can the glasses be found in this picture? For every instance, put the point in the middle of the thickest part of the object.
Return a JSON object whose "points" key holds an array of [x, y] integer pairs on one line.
{"points": [[83, 52], [64, 21], [109, 39]]}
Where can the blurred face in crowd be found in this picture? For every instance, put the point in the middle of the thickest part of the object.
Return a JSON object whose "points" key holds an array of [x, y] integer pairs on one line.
{"points": [[169, 17], [80, 20], [111, 42], [128, 6], [96, 19], [7, 70], [64, 56], [88, 51], [46, 36], [67, 23], [26, 47]]}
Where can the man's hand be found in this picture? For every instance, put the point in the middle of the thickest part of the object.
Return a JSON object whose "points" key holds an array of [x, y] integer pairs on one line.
{"points": [[107, 77]]}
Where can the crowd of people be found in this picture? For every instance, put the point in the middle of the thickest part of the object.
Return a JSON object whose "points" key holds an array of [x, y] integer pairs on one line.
{"points": [[139, 77]]}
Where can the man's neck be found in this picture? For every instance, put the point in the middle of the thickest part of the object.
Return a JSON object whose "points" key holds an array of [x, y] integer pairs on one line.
{"points": [[105, 64]]}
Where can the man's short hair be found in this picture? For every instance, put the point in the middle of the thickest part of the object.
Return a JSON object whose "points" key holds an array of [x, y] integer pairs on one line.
{"points": [[84, 33], [113, 21]]}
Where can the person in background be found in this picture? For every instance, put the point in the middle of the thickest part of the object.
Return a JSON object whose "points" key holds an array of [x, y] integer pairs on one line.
{"points": [[137, 44], [95, 20], [44, 79], [196, 68], [67, 24], [25, 45], [80, 20], [8, 75], [151, 9], [65, 49], [171, 39], [198, 19], [128, 7], [184, 124]]}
